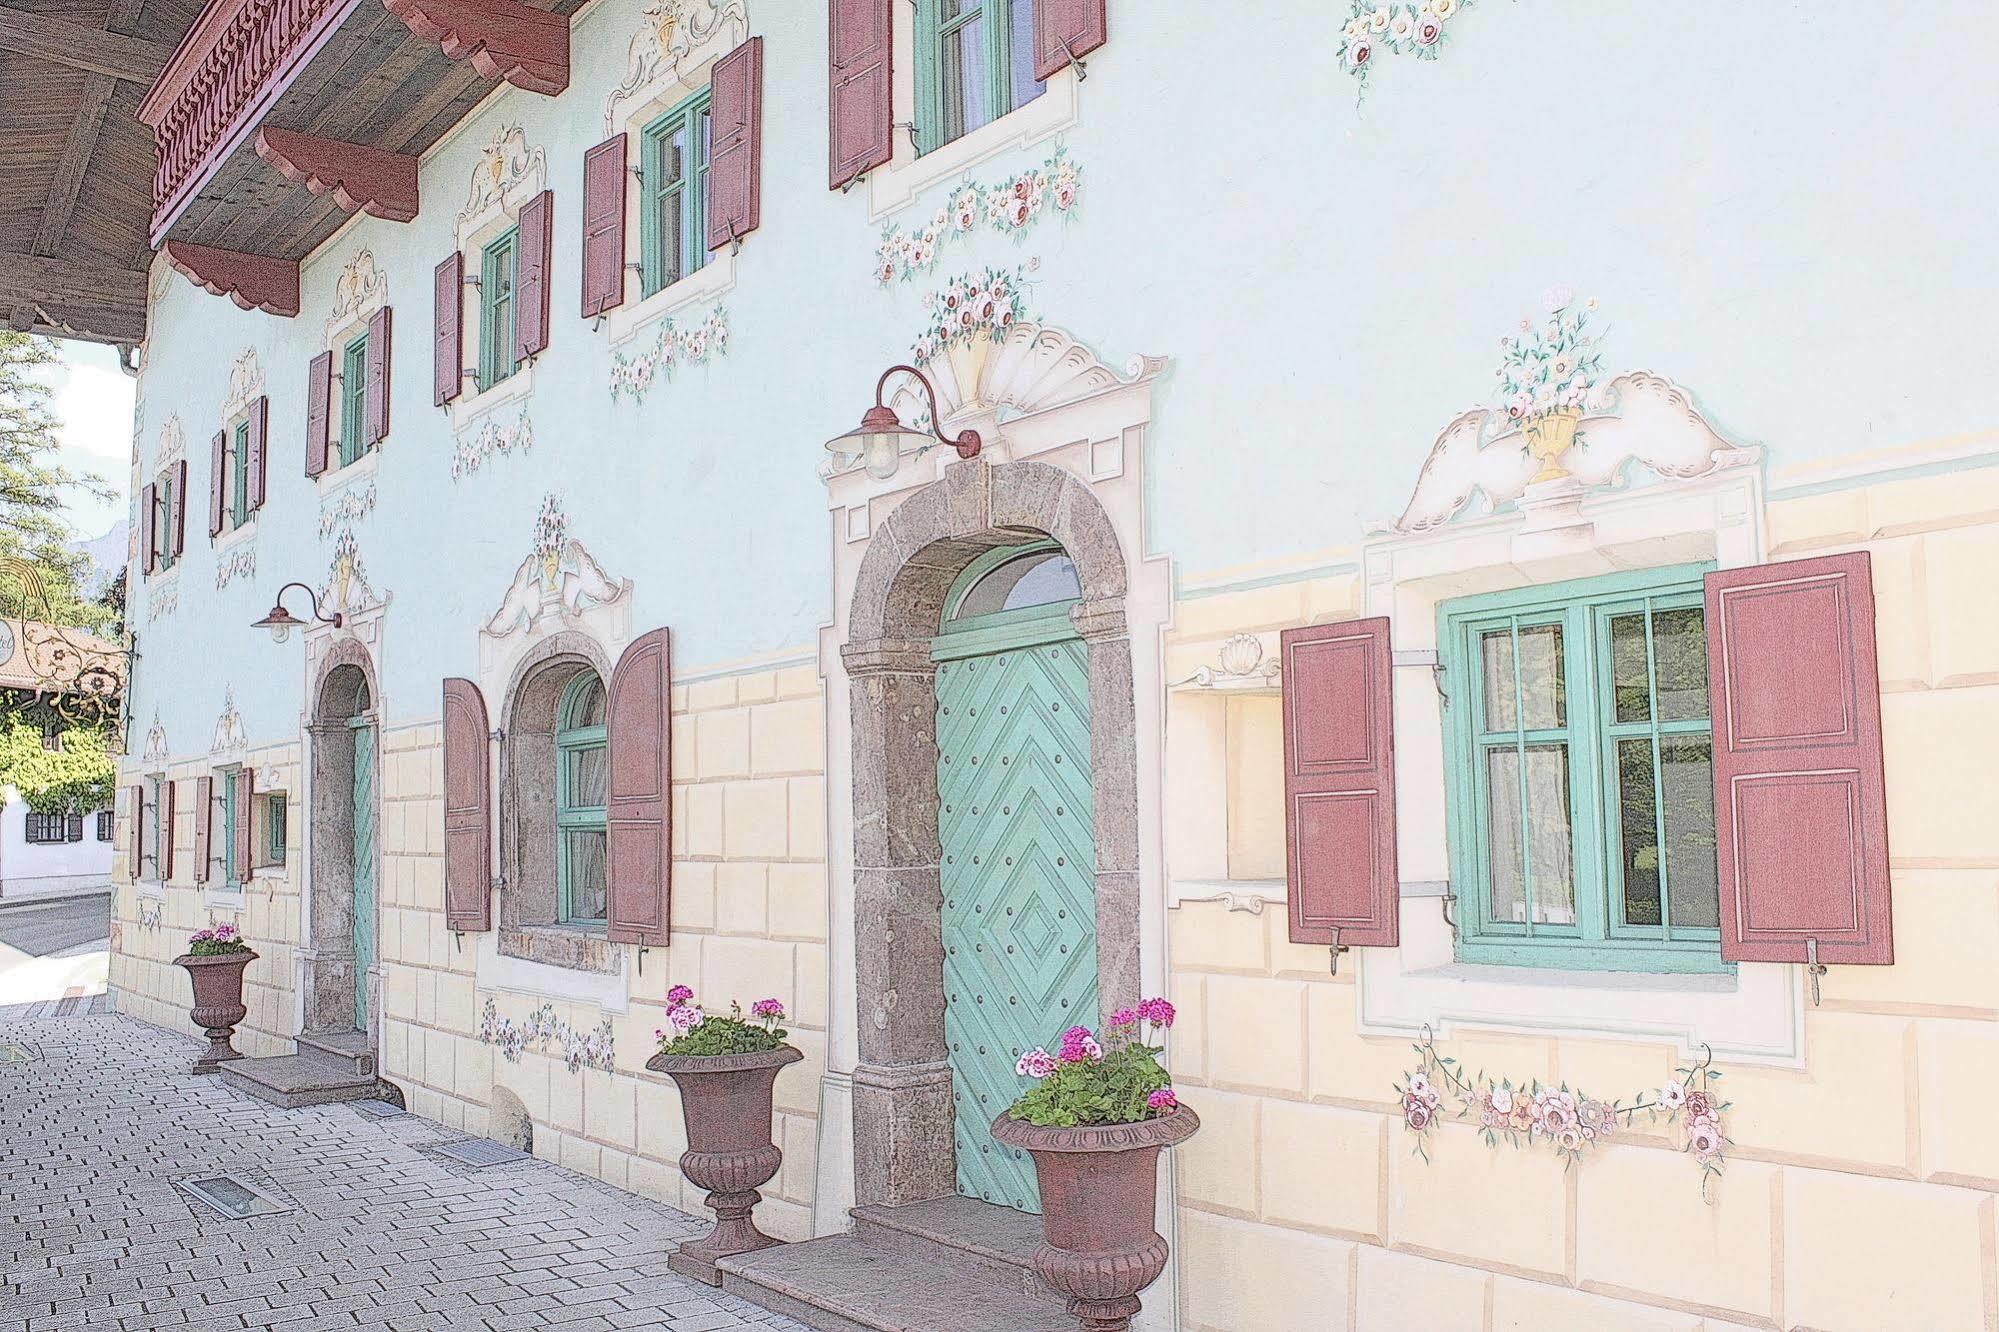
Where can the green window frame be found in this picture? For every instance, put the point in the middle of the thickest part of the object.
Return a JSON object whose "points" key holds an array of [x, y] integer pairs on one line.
{"points": [[499, 266], [155, 786], [582, 773], [227, 778], [974, 64], [673, 200], [274, 829], [239, 474], [163, 512], [1570, 708], [353, 399]]}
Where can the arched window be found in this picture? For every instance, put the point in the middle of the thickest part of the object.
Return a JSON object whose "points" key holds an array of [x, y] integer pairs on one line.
{"points": [[1040, 578], [582, 775]]}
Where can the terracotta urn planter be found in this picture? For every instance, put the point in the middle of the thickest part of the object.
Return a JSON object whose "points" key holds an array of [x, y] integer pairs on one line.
{"points": [[725, 1101], [1099, 1193], [218, 1002]]}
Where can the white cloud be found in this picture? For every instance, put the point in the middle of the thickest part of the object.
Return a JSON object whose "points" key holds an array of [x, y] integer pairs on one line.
{"points": [[92, 401]]}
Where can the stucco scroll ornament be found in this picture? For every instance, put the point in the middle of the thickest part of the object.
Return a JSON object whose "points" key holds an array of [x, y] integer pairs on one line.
{"points": [[156, 752], [246, 381], [507, 174], [228, 737], [347, 589], [674, 37], [361, 289], [558, 577], [173, 442]]}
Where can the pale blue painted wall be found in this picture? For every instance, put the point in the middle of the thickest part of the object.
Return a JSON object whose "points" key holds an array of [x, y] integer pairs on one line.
{"points": [[1787, 209]]}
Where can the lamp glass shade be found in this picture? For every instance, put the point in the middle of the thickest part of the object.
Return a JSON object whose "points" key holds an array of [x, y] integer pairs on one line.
{"points": [[280, 622], [878, 442]]}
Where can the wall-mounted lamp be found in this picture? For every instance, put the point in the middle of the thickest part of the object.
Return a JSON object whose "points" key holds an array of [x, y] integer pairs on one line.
{"points": [[281, 622], [879, 438]]}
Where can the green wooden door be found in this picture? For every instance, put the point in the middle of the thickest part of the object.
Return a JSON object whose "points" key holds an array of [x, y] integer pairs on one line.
{"points": [[1015, 822], [364, 865]]}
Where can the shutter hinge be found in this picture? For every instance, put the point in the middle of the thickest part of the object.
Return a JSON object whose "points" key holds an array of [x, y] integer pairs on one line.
{"points": [[471, 279], [1336, 950], [642, 959], [636, 268], [1445, 902], [852, 181], [499, 735], [1082, 70], [1814, 968], [909, 125], [636, 172]]}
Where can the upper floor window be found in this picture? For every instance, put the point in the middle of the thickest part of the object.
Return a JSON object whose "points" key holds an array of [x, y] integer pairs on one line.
{"points": [[499, 265], [104, 821], [673, 180], [353, 400], [582, 780], [164, 501], [1580, 774], [974, 63], [237, 473]]}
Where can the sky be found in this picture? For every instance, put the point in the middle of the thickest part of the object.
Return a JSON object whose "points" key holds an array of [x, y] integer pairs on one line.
{"points": [[93, 403]]}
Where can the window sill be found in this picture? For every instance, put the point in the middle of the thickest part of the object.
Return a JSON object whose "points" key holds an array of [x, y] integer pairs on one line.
{"points": [[224, 899], [466, 410], [628, 321], [230, 537], [907, 175], [362, 468], [572, 947]]}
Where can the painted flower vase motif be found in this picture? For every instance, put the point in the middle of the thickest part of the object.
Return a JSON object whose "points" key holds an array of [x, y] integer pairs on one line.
{"points": [[218, 1002], [1549, 436], [725, 1101], [967, 358], [1099, 1194]]}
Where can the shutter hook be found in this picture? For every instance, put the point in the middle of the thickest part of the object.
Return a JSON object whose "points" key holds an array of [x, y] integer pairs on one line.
{"points": [[1082, 70], [1336, 949], [1814, 968], [852, 181], [735, 239], [1445, 902], [1437, 679], [909, 125], [642, 959]]}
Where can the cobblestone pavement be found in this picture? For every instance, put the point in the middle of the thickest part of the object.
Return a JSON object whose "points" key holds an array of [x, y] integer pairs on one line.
{"points": [[95, 1233]]}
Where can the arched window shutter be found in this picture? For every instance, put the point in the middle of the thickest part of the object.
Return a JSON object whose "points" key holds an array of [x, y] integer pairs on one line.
{"points": [[1800, 799], [447, 370], [468, 810], [1339, 785], [377, 417], [260, 432], [1066, 30], [604, 226], [531, 280], [218, 448], [640, 724], [318, 412], [735, 160], [204, 825], [135, 811], [245, 791], [858, 46]]}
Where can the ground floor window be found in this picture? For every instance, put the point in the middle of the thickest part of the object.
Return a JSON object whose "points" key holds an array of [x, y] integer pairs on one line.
{"points": [[582, 778], [1579, 774], [46, 828], [104, 821], [274, 828]]}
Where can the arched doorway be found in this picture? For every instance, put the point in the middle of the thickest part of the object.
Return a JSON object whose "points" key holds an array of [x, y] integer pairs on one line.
{"points": [[342, 991], [1018, 845]]}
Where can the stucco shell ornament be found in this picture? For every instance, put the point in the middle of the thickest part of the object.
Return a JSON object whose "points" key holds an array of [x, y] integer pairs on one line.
{"points": [[507, 174], [347, 589], [360, 290]]}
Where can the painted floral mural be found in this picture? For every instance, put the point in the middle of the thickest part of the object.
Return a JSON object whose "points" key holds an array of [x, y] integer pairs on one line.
{"points": [[1009, 206], [1552, 366], [543, 1029], [971, 309], [489, 441], [673, 347], [1373, 30]]}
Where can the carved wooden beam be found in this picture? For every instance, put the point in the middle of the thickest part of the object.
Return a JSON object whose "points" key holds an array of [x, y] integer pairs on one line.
{"points": [[253, 281], [503, 39], [69, 299], [380, 184], [67, 182], [91, 49]]}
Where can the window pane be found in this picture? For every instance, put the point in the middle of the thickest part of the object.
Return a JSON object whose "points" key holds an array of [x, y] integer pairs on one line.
{"points": [[1545, 869], [588, 778], [1679, 661], [1543, 696], [671, 224], [1040, 579], [586, 705], [1687, 778], [1637, 818], [961, 72], [1630, 681], [697, 247], [585, 849], [1020, 18]]}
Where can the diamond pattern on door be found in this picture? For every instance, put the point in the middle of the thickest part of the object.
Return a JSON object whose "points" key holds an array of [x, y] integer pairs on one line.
{"points": [[1015, 820], [364, 868]]}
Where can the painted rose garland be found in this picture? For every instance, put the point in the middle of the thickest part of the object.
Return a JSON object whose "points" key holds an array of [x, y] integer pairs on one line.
{"points": [[1009, 207], [1553, 367], [580, 1049], [674, 347], [1396, 29], [1562, 1118], [969, 307], [491, 440]]}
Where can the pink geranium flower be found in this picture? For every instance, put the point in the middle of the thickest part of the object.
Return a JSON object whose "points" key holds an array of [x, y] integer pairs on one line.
{"points": [[1125, 1017], [1157, 1011], [679, 994], [767, 1008], [1163, 1099], [1036, 1063]]}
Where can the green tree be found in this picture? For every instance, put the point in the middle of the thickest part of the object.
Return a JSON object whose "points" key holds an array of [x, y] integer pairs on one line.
{"points": [[77, 778], [33, 489]]}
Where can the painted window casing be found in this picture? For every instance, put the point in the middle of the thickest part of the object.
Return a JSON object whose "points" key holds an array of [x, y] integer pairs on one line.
{"points": [[499, 263], [353, 401], [974, 64], [581, 776], [1592, 693], [673, 184]]}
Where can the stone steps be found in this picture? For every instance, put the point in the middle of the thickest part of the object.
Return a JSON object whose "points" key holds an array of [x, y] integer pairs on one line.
{"points": [[947, 1265], [349, 1046], [309, 1078]]}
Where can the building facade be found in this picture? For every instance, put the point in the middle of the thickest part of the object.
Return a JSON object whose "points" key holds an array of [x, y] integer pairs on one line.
{"points": [[58, 690], [1597, 711]]}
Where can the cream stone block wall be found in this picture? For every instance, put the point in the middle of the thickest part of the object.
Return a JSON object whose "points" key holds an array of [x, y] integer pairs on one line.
{"points": [[151, 921], [749, 921], [1860, 1187]]}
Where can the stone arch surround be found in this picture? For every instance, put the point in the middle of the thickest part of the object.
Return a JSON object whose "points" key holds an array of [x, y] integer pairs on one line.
{"points": [[903, 1142], [330, 974]]}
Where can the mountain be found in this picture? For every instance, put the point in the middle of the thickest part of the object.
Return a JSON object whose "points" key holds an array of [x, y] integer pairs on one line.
{"points": [[107, 557]]}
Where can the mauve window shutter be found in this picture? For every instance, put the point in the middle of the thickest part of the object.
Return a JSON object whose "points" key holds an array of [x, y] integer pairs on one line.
{"points": [[377, 417], [1066, 30], [74, 831], [218, 448], [639, 720], [318, 412], [260, 434], [735, 155], [1800, 799], [448, 347], [166, 847], [204, 817], [135, 810], [604, 226], [1339, 785], [178, 494], [149, 525], [531, 276], [859, 45], [245, 792], [468, 810]]}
